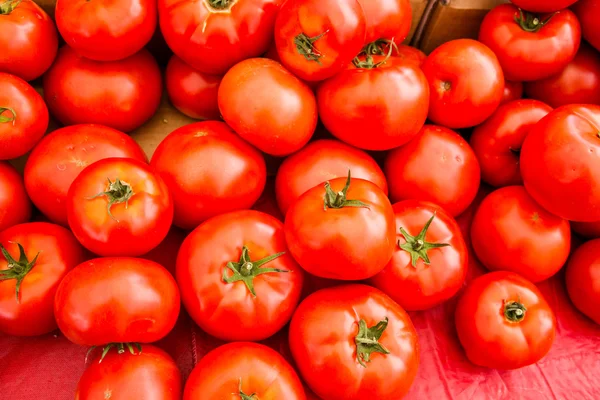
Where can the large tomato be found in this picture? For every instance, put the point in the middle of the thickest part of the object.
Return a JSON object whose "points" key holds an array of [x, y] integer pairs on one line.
{"points": [[377, 103], [543, 6], [283, 112], [353, 342], [438, 166], [512, 91], [121, 94], [587, 11], [35, 258], [566, 144], [59, 158], [583, 279], [504, 322], [497, 142], [209, 171], [528, 46], [15, 207], [466, 83], [387, 19]]}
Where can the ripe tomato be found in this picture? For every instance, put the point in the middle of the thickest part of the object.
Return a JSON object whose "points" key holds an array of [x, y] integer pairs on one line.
{"points": [[59, 158], [589, 230], [15, 207], [345, 230], [117, 300], [283, 115], [543, 6], [587, 13], [120, 94], [387, 19], [466, 83], [438, 166], [504, 322], [583, 279], [386, 97], [530, 47], [430, 261], [410, 54], [497, 142], [354, 333], [566, 143], [35, 258], [23, 116], [316, 39], [209, 171], [512, 91]]}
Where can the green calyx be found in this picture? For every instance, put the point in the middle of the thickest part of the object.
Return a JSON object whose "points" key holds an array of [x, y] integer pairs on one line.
{"points": [[514, 311], [246, 270], [305, 45], [530, 22], [121, 347], [374, 48], [243, 395], [8, 6], [339, 199], [416, 246], [17, 270], [367, 341], [4, 118], [117, 192], [219, 4]]}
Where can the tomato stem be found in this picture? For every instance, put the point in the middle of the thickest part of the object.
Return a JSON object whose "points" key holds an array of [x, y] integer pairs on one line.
{"points": [[367, 341], [4, 118], [369, 63], [219, 4], [514, 311], [8, 6], [244, 396], [339, 199], [305, 46], [416, 246], [530, 22], [120, 349], [17, 270], [117, 192]]}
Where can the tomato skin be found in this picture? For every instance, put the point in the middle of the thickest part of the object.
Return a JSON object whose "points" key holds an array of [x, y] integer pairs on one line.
{"points": [[387, 19], [283, 116], [15, 206], [497, 141], [587, 13], [59, 252], [124, 93], [566, 142], [437, 166], [512, 91], [463, 94], [410, 54], [589, 230], [582, 278], [543, 6], [322, 334]]}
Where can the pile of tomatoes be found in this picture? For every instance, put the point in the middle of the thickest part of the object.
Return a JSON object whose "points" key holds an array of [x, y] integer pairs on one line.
{"points": [[376, 207]]}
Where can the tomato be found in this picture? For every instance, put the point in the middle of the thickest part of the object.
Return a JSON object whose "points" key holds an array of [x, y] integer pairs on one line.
{"points": [[466, 83], [438, 166], [15, 207], [192, 92], [283, 115], [117, 300], [511, 232], [316, 39], [357, 334], [120, 94], [35, 258], [387, 19], [529, 46], [59, 158], [410, 54], [583, 279], [512, 91], [23, 117], [587, 13], [578, 83], [566, 143], [319, 161], [587, 229], [344, 230], [504, 322], [543, 6], [377, 104], [209, 171], [430, 261], [497, 142]]}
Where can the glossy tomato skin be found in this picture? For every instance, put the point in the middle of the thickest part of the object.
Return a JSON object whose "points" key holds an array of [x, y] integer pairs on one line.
{"points": [[587, 13], [59, 252], [387, 19], [120, 94], [375, 108], [466, 83], [341, 24], [438, 166], [589, 230], [543, 6], [583, 276], [512, 91], [192, 159], [322, 340], [117, 300], [60, 156], [15, 206], [565, 142], [283, 115], [498, 141], [488, 337]]}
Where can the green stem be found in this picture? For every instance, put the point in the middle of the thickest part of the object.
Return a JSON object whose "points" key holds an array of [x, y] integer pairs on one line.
{"points": [[416, 246], [121, 347], [305, 46], [117, 192], [17, 270], [530, 22], [367, 341], [4, 118], [514, 311], [244, 396], [339, 199], [8, 6], [369, 63]]}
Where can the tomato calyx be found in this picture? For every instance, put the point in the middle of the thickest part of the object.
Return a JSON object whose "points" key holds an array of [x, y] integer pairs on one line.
{"points": [[117, 192], [220, 4], [120, 349], [339, 199], [416, 246], [17, 270], [244, 396], [368, 62], [377, 48], [367, 341], [4, 118], [514, 311], [530, 22], [246, 270], [305, 46], [8, 6]]}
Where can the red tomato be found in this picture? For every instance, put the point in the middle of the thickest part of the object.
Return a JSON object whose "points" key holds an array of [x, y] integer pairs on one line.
{"points": [[587, 11], [192, 92], [504, 322], [23, 116], [511, 232], [59, 158], [512, 91], [387, 19], [430, 261], [497, 142], [35, 258], [410, 54], [209, 171], [583, 279], [117, 300], [377, 104], [543, 6], [587, 229], [357, 334], [119, 207], [566, 143], [316, 39], [283, 115], [121, 94], [344, 230], [438, 166], [320, 161], [15, 207], [465, 81], [530, 47], [29, 41]]}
